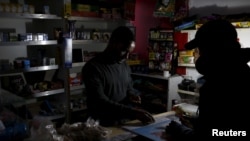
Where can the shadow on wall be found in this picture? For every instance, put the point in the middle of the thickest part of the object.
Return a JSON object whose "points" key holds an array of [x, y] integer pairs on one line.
{"points": [[214, 9]]}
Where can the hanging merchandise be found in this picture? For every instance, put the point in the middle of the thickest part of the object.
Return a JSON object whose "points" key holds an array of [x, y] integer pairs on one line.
{"points": [[181, 9], [164, 8], [174, 9], [129, 10]]}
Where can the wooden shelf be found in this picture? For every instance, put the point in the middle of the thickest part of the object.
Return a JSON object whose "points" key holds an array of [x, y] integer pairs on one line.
{"points": [[157, 76]]}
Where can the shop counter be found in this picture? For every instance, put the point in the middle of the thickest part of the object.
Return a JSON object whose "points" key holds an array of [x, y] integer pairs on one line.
{"points": [[154, 131]]}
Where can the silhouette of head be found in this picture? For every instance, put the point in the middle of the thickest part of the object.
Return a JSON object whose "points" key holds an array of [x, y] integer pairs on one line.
{"points": [[217, 41], [121, 43], [214, 35]]}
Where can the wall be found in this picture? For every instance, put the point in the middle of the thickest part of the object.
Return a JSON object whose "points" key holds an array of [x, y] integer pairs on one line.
{"points": [[144, 20], [224, 7]]}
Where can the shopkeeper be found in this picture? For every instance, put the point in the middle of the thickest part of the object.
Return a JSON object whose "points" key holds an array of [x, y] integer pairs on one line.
{"points": [[111, 98]]}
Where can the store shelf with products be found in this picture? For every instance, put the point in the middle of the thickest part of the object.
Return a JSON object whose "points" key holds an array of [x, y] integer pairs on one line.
{"points": [[90, 34], [31, 33], [188, 90], [36, 22], [186, 58], [161, 50], [92, 22], [101, 9]]}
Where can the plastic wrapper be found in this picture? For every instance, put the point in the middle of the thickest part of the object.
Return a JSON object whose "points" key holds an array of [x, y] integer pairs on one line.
{"points": [[88, 131], [187, 113], [40, 129]]}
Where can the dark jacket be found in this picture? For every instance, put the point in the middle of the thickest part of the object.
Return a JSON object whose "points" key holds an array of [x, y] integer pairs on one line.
{"points": [[107, 84], [223, 101]]}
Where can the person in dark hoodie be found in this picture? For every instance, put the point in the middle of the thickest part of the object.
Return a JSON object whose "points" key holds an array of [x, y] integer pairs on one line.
{"points": [[111, 98], [223, 102]]}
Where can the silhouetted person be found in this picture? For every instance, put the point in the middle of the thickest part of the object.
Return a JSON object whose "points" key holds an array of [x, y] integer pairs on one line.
{"points": [[110, 94], [223, 102]]}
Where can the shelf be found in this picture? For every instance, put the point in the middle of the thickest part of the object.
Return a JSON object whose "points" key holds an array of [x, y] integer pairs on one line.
{"points": [[78, 64], [186, 65], [28, 16], [57, 91], [25, 102], [53, 117], [47, 93], [188, 92], [95, 19], [79, 109], [77, 87], [161, 40], [76, 42], [39, 68], [31, 69], [18, 43], [157, 76]]}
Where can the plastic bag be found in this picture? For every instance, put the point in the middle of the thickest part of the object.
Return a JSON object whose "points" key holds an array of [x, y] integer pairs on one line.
{"points": [[41, 129], [13, 128]]}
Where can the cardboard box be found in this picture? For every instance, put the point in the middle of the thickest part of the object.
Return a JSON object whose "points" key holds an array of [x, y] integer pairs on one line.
{"points": [[186, 53], [186, 59], [75, 79]]}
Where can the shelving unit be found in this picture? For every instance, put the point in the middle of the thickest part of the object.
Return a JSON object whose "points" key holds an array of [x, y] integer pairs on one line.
{"points": [[40, 23], [164, 88], [26, 23]]}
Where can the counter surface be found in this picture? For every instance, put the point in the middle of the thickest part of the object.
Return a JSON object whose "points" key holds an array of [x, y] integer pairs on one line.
{"points": [[133, 128]]}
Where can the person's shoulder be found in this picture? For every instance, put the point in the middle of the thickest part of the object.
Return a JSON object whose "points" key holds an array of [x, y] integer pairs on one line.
{"points": [[95, 59], [93, 62]]}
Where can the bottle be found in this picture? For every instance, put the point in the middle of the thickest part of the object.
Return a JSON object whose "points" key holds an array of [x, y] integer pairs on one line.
{"points": [[71, 29]]}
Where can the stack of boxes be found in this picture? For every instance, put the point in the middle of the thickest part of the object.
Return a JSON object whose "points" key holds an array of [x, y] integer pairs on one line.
{"points": [[84, 10]]}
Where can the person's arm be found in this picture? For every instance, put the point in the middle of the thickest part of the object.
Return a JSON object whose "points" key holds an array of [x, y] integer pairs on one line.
{"points": [[179, 132], [133, 94]]}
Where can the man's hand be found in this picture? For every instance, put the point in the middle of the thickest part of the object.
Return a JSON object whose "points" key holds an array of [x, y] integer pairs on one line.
{"points": [[136, 99], [144, 116]]}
